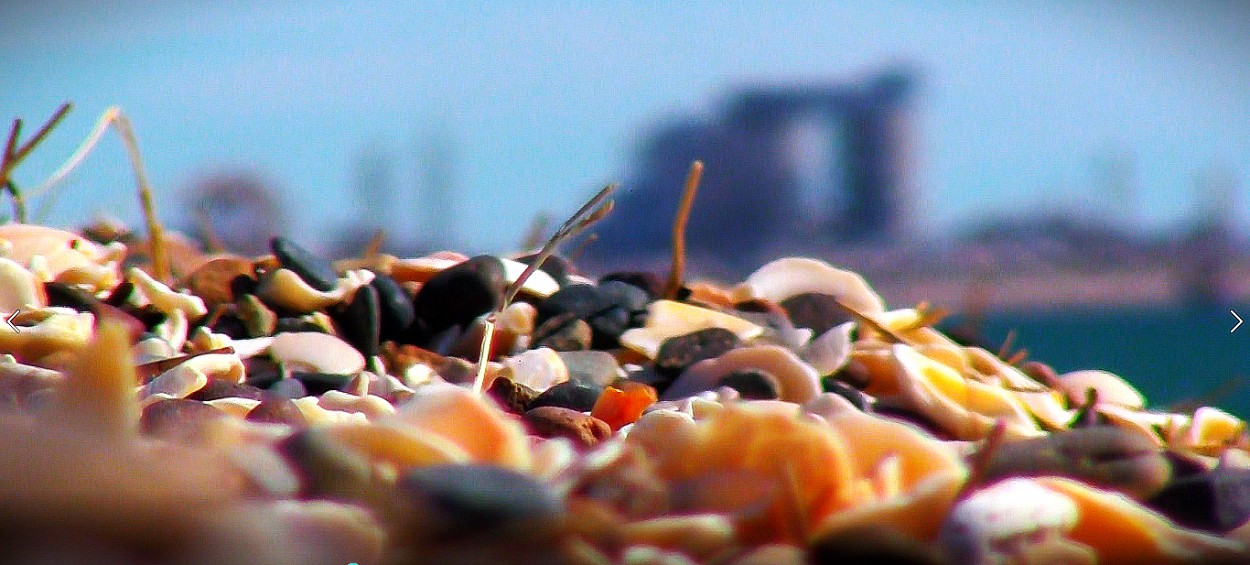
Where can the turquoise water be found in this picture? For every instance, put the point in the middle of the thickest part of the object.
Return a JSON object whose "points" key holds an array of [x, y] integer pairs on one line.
{"points": [[1170, 354]]}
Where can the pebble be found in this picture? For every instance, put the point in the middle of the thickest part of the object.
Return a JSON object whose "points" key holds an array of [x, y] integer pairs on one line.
{"points": [[568, 395], [69, 296], [627, 309], [751, 384], [318, 383], [178, 418], [221, 388], [288, 388], [275, 409], [539, 369], [316, 352], [850, 393], [558, 267], [581, 301], [457, 295], [394, 307], [555, 421], [593, 368], [871, 543], [360, 321], [215, 280], [297, 324], [513, 397], [478, 501], [1002, 522], [571, 335], [314, 270], [647, 281], [262, 372], [258, 320], [327, 468], [1216, 501], [676, 354], [1103, 456], [815, 310]]}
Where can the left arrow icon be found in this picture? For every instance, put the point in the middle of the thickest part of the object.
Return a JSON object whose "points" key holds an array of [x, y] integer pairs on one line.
{"points": [[9, 320], [1238, 321]]}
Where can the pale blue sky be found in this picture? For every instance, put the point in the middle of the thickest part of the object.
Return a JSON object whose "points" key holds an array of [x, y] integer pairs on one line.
{"points": [[548, 100]]}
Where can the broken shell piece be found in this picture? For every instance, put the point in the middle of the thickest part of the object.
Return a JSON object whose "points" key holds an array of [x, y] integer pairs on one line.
{"points": [[175, 383], [1123, 531], [538, 369], [1211, 429], [701, 536], [668, 318], [283, 288], [61, 250], [789, 276], [234, 406], [400, 446], [164, 298], [998, 524], [965, 408], [18, 288], [830, 351], [474, 424], [373, 407], [538, 284], [55, 330], [795, 381], [316, 352], [1111, 388]]}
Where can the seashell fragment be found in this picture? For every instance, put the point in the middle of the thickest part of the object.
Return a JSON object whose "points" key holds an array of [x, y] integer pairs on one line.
{"points": [[374, 408], [166, 299], [283, 288], [18, 288], [667, 319], [538, 369], [1211, 429], [1001, 523], [316, 352], [475, 424], [796, 381], [786, 277], [830, 351], [1111, 388]]}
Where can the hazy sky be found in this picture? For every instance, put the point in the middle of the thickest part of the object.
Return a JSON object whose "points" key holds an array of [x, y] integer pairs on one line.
{"points": [[545, 101]]}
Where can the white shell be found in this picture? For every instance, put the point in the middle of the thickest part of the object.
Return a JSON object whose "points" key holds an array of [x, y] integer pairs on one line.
{"points": [[981, 526], [668, 318], [830, 351], [788, 276], [316, 352], [796, 381]]}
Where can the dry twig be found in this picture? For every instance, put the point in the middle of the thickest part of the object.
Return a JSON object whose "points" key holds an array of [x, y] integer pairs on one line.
{"points": [[679, 230]]}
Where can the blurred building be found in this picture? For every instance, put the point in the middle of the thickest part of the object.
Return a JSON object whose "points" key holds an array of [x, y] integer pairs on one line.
{"points": [[820, 165]]}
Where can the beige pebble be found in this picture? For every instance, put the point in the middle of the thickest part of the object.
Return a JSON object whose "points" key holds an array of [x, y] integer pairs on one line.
{"points": [[372, 407], [316, 352], [668, 318]]}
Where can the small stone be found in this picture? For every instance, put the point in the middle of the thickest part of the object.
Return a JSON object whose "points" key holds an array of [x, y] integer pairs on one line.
{"points": [[580, 301], [327, 468], [360, 321], [296, 324], [678, 353], [628, 308], [553, 421], [275, 409], [394, 307], [1103, 456], [1216, 501], [450, 502], [288, 388], [572, 335], [318, 383], [751, 384], [852, 394], [539, 369], [558, 267], [816, 311], [220, 388], [568, 395], [459, 294], [178, 419], [456, 370], [513, 397], [258, 320], [872, 543], [215, 280], [69, 296], [314, 270], [262, 372], [649, 282], [593, 368], [229, 324]]}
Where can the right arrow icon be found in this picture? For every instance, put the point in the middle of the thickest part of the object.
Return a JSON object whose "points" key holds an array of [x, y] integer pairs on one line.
{"points": [[1238, 321]]}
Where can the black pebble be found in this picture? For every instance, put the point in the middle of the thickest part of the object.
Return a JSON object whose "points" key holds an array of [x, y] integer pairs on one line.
{"points": [[319, 383], [857, 398], [814, 310], [231, 325], [457, 501], [296, 324], [609, 309], [394, 307], [218, 388], [568, 395], [360, 321], [69, 296], [262, 372], [649, 282], [751, 384], [678, 353], [315, 271], [457, 295], [580, 301], [120, 294], [558, 267], [1217, 501], [564, 334]]}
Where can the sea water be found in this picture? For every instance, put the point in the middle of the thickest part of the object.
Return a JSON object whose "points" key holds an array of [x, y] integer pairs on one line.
{"points": [[1173, 355]]}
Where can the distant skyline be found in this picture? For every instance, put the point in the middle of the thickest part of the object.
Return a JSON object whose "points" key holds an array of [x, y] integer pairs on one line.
{"points": [[1102, 109]]}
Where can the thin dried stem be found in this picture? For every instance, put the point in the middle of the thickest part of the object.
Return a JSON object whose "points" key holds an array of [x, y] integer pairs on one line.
{"points": [[871, 323], [980, 461], [534, 235], [1005, 349], [13, 155], [113, 117], [592, 211], [679, 230], [375, 244], [581, 247]]}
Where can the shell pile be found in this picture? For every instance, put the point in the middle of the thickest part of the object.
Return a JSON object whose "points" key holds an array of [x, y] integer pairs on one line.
{"points": [[283, 409]]}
